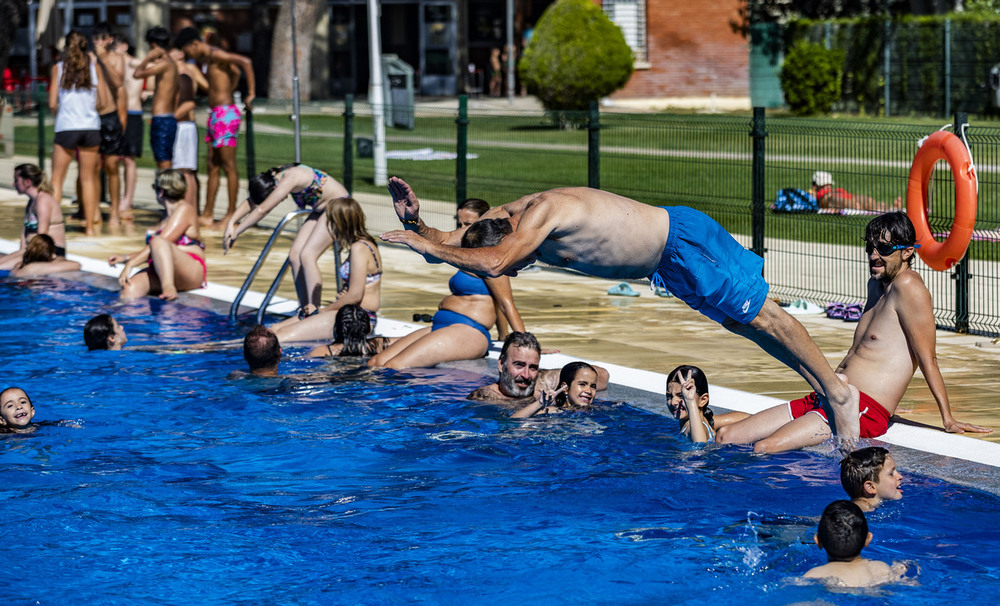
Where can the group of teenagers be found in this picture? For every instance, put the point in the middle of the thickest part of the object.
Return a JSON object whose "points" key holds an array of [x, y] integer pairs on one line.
{"points": [[597, 233], [96, 93]]}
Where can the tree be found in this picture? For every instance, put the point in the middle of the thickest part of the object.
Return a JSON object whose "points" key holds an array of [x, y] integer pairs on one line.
{"points": [[307, 14], [781, 11], [576, 55], [810, 78]]}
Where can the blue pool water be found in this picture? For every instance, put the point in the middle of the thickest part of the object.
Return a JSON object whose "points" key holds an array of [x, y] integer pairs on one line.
{"points": [[154, 479]]}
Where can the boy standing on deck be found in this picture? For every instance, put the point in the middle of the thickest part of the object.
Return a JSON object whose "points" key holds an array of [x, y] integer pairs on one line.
{"points": [[224, 117], [869, 476], [134, 128], [163, 128], [112, 114], [843, 533]]}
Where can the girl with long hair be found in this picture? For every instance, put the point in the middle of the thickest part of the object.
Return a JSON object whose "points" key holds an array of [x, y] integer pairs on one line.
{"points": [[73, 100], [361, 274]]}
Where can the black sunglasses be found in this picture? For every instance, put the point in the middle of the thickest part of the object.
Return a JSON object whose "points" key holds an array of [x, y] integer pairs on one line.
{"points": [[885, 248]]}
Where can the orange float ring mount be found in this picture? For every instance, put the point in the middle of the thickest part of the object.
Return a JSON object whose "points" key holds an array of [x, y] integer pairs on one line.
{"points": [[943, 145]]}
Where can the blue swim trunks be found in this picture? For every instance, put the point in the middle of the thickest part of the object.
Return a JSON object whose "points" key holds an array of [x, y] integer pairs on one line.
{"points": [[704, 266], [162, 133], [444, 317]]}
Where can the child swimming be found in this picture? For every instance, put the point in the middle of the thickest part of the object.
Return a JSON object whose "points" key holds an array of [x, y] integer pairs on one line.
{"points": [[687, 398], [869, 476], [577, 389], [16, 411], [843, 533]]}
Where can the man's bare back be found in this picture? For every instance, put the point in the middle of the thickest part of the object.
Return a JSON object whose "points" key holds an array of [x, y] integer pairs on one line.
{"points": [[596, 232]]}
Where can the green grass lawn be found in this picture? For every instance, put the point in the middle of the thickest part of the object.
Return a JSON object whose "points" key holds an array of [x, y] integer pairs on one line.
{"points": [[703, 161]]}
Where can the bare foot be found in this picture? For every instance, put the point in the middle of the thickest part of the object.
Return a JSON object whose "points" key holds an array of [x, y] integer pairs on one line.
{"points": [[847, 421], [204, 221], [221, 223], [169, 295]]}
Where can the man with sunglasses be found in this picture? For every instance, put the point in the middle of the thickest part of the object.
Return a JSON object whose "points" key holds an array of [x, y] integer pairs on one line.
{"points": [[896, 335]]}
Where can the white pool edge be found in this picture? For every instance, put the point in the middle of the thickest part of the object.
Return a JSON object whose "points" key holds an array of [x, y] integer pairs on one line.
{"points": [[934, 441]]}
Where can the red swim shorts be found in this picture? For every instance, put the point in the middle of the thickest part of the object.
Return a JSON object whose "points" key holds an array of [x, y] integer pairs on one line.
{"points": [[874, 418]]}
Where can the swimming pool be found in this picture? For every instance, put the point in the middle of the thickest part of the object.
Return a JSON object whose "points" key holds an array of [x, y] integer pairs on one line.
{"points": [[165, 482]]}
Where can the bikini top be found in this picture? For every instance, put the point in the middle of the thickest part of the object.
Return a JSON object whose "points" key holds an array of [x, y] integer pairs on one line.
{"points": [[308, 197], [345, 269], [184, 240], [30, 219], [463, 285]]}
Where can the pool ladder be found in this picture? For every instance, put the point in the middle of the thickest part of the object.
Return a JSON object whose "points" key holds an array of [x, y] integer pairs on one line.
{"points": [[234, 308]]}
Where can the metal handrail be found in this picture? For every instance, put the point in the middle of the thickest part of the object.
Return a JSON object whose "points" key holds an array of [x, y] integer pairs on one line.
{"points": [[256, 267]]}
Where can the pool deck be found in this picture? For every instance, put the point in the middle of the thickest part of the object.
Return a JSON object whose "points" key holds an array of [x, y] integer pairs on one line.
{"points": [[637, 338]]}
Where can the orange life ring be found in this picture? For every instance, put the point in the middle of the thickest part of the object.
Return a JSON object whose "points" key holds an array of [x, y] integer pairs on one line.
{"points": [[942, 145]]}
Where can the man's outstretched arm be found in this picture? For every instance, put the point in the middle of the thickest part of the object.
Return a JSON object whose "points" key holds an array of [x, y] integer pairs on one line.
{"points": [[916, 317]]}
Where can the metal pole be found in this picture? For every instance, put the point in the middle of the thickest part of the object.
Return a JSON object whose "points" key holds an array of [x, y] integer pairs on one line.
{"points": [[295, 90], [758, 132], [33, 42], [594, 146], [885, 64], [962, 275], [947, 67], [378, 93], [41, 96], [349, 143], [510, 51], [461, 151]]}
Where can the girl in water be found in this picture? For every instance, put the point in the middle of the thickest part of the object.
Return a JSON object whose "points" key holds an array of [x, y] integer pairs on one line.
{"points": [[350, 336], [40, 259], [310, 189], [361, 273], [175, 255], [42, 214], [687, 398], [577, 389]]}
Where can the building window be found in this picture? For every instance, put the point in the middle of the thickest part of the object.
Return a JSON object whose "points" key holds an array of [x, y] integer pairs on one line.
{"points": [[630, 16]]}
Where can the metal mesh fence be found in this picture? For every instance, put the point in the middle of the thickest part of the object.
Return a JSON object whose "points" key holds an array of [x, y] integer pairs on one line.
{"points": [[702, 161]]}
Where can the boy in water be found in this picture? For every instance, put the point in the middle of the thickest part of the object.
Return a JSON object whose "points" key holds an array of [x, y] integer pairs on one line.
{"points": [[104, 332], [869, 476], [16, 411], [843, 533]]}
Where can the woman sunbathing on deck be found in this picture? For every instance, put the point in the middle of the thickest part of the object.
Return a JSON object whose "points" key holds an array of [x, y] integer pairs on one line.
{"points": [[173, 250]]}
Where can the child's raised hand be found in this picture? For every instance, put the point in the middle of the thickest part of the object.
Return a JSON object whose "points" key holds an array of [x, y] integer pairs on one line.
{"points": [[548, 397], [689, 391]]}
